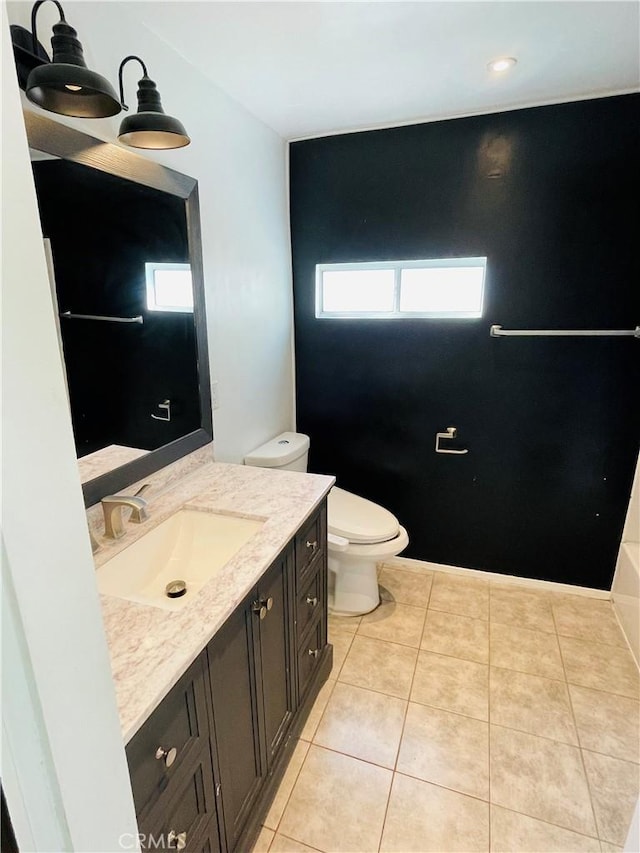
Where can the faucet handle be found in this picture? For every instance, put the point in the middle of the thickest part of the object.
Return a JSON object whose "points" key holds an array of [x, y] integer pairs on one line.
{"points": [[142, 490]]}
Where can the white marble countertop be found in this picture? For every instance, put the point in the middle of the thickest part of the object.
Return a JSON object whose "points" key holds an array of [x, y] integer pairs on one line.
{"points": [[151, 648], [106, 459]]}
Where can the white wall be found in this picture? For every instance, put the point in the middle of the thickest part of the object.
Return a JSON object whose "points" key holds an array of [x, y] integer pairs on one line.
{"points": [[63, 764], [625, 589], [240, 165]]}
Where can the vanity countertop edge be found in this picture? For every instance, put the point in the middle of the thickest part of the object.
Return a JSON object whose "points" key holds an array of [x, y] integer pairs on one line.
{"points": [[150, 648]]}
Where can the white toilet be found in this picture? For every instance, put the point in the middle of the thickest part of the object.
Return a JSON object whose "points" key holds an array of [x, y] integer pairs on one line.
{"points": [[361, 533]]}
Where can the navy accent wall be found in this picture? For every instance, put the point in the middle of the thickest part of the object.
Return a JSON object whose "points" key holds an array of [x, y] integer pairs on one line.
{"points": [[550, 196]]}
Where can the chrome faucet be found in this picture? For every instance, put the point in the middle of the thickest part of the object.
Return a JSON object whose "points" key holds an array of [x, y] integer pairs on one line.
{"points": [[112, 506]]}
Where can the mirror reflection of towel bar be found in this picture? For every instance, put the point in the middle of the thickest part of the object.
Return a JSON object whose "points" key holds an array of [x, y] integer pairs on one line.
{"points": [[450, 433], [69, 316]]}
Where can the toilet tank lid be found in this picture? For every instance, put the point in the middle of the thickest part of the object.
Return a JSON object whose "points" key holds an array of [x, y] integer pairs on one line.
{"points": [[358, 519], [281, 450]]}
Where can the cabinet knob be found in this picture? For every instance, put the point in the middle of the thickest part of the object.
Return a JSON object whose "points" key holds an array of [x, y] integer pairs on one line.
{"points": [[312, 545], [169, 755], [312, 602], [259, 608], [314, 653], [177, 840]]}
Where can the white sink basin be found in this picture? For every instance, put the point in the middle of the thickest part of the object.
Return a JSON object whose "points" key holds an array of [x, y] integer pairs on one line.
{"points": [[190, 546]]}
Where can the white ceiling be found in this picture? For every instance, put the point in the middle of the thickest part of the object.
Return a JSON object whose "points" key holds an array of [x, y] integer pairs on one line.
{"points": [[312, 68]]}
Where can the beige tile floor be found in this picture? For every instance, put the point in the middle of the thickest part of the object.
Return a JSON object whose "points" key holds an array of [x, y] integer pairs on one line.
{"points": [[466, 715]]}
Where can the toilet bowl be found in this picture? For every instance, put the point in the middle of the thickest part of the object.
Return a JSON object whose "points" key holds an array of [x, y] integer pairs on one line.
{"points": [[360, 533]]}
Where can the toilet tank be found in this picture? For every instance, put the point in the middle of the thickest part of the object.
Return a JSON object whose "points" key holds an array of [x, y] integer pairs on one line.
{"points": [[288, 451]]}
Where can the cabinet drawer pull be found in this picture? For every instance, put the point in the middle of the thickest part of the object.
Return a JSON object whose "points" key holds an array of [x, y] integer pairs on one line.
{"points": [[269, 603], [312, 545], [177, 840], [314, 653], [169, 755], [312, 602]]}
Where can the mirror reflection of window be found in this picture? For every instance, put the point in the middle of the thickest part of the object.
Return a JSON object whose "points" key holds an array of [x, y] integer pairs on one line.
{"points": [[169, 287]]}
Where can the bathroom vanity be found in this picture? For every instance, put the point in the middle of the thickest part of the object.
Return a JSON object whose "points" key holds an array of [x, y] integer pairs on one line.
{"points": [[212, 696], [212, 688]]}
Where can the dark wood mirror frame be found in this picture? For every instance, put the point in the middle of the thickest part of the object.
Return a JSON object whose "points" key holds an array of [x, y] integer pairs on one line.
{"points": [[61, 141]]}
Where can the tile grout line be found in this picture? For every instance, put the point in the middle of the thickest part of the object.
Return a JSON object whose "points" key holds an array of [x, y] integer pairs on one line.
{"points": [[498, 805], [575, 725], [404, 720], [275, 831], [288, 837], [547, 822]]}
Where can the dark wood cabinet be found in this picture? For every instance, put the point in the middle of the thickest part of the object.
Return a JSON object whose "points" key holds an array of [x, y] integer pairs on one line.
{"points": [[171, 768], [276, 649], [177, 731], [187, 815], [206, 764], [251, 661], [235, 687]]}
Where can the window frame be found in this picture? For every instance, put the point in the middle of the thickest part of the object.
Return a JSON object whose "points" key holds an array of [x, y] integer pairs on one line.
{"points": [[398, 267], [150, 268]]}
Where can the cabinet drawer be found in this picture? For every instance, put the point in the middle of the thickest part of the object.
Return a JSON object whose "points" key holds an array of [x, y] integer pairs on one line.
{"points": [[182, 819], [309, 655], [179, 723], [310, 543], [309, 603]]}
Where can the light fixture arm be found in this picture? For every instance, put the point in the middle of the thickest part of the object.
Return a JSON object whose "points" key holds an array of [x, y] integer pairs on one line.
{"points": [[120, 70], [34, 13]]}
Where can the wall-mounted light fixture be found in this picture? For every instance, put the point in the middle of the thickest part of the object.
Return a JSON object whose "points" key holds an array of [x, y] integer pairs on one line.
{"points": [[63, 85], [150, 127]]}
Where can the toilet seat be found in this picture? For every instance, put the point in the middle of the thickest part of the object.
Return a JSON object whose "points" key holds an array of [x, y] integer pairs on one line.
{"points": [[375, 550], [359, 520]]}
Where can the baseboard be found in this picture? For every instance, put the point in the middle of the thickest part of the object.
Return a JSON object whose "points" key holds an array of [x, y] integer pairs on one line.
{"points": [[532, 583]]}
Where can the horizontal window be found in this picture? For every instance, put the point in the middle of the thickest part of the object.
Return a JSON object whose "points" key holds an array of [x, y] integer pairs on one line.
{"points": [[443, 288], [169, 287]]}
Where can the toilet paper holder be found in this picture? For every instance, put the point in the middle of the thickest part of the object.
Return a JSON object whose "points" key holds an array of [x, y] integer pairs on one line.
{"points": [[451, 432]]}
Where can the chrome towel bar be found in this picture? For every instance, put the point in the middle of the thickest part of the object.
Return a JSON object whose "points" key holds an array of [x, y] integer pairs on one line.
{"points": [[499, 332], [69, 316]]}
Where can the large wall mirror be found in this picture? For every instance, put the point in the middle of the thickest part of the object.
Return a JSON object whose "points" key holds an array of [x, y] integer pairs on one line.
{"points": [[122, 238]]}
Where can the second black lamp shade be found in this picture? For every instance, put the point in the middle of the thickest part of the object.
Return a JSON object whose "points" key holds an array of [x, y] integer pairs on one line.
{"points": [[150, 127]]}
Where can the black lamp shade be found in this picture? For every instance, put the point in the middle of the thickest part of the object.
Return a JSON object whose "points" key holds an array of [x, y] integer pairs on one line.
{"points": [[153, 130], [150, 127], [66, 86], [92, 96]]}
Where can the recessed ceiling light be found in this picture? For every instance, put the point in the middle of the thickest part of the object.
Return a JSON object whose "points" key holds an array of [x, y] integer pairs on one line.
{"points": [[502, 64]]}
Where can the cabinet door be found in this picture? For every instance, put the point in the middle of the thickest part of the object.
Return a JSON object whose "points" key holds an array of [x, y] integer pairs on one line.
{"points": [[276, 648], [235, 711]]}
